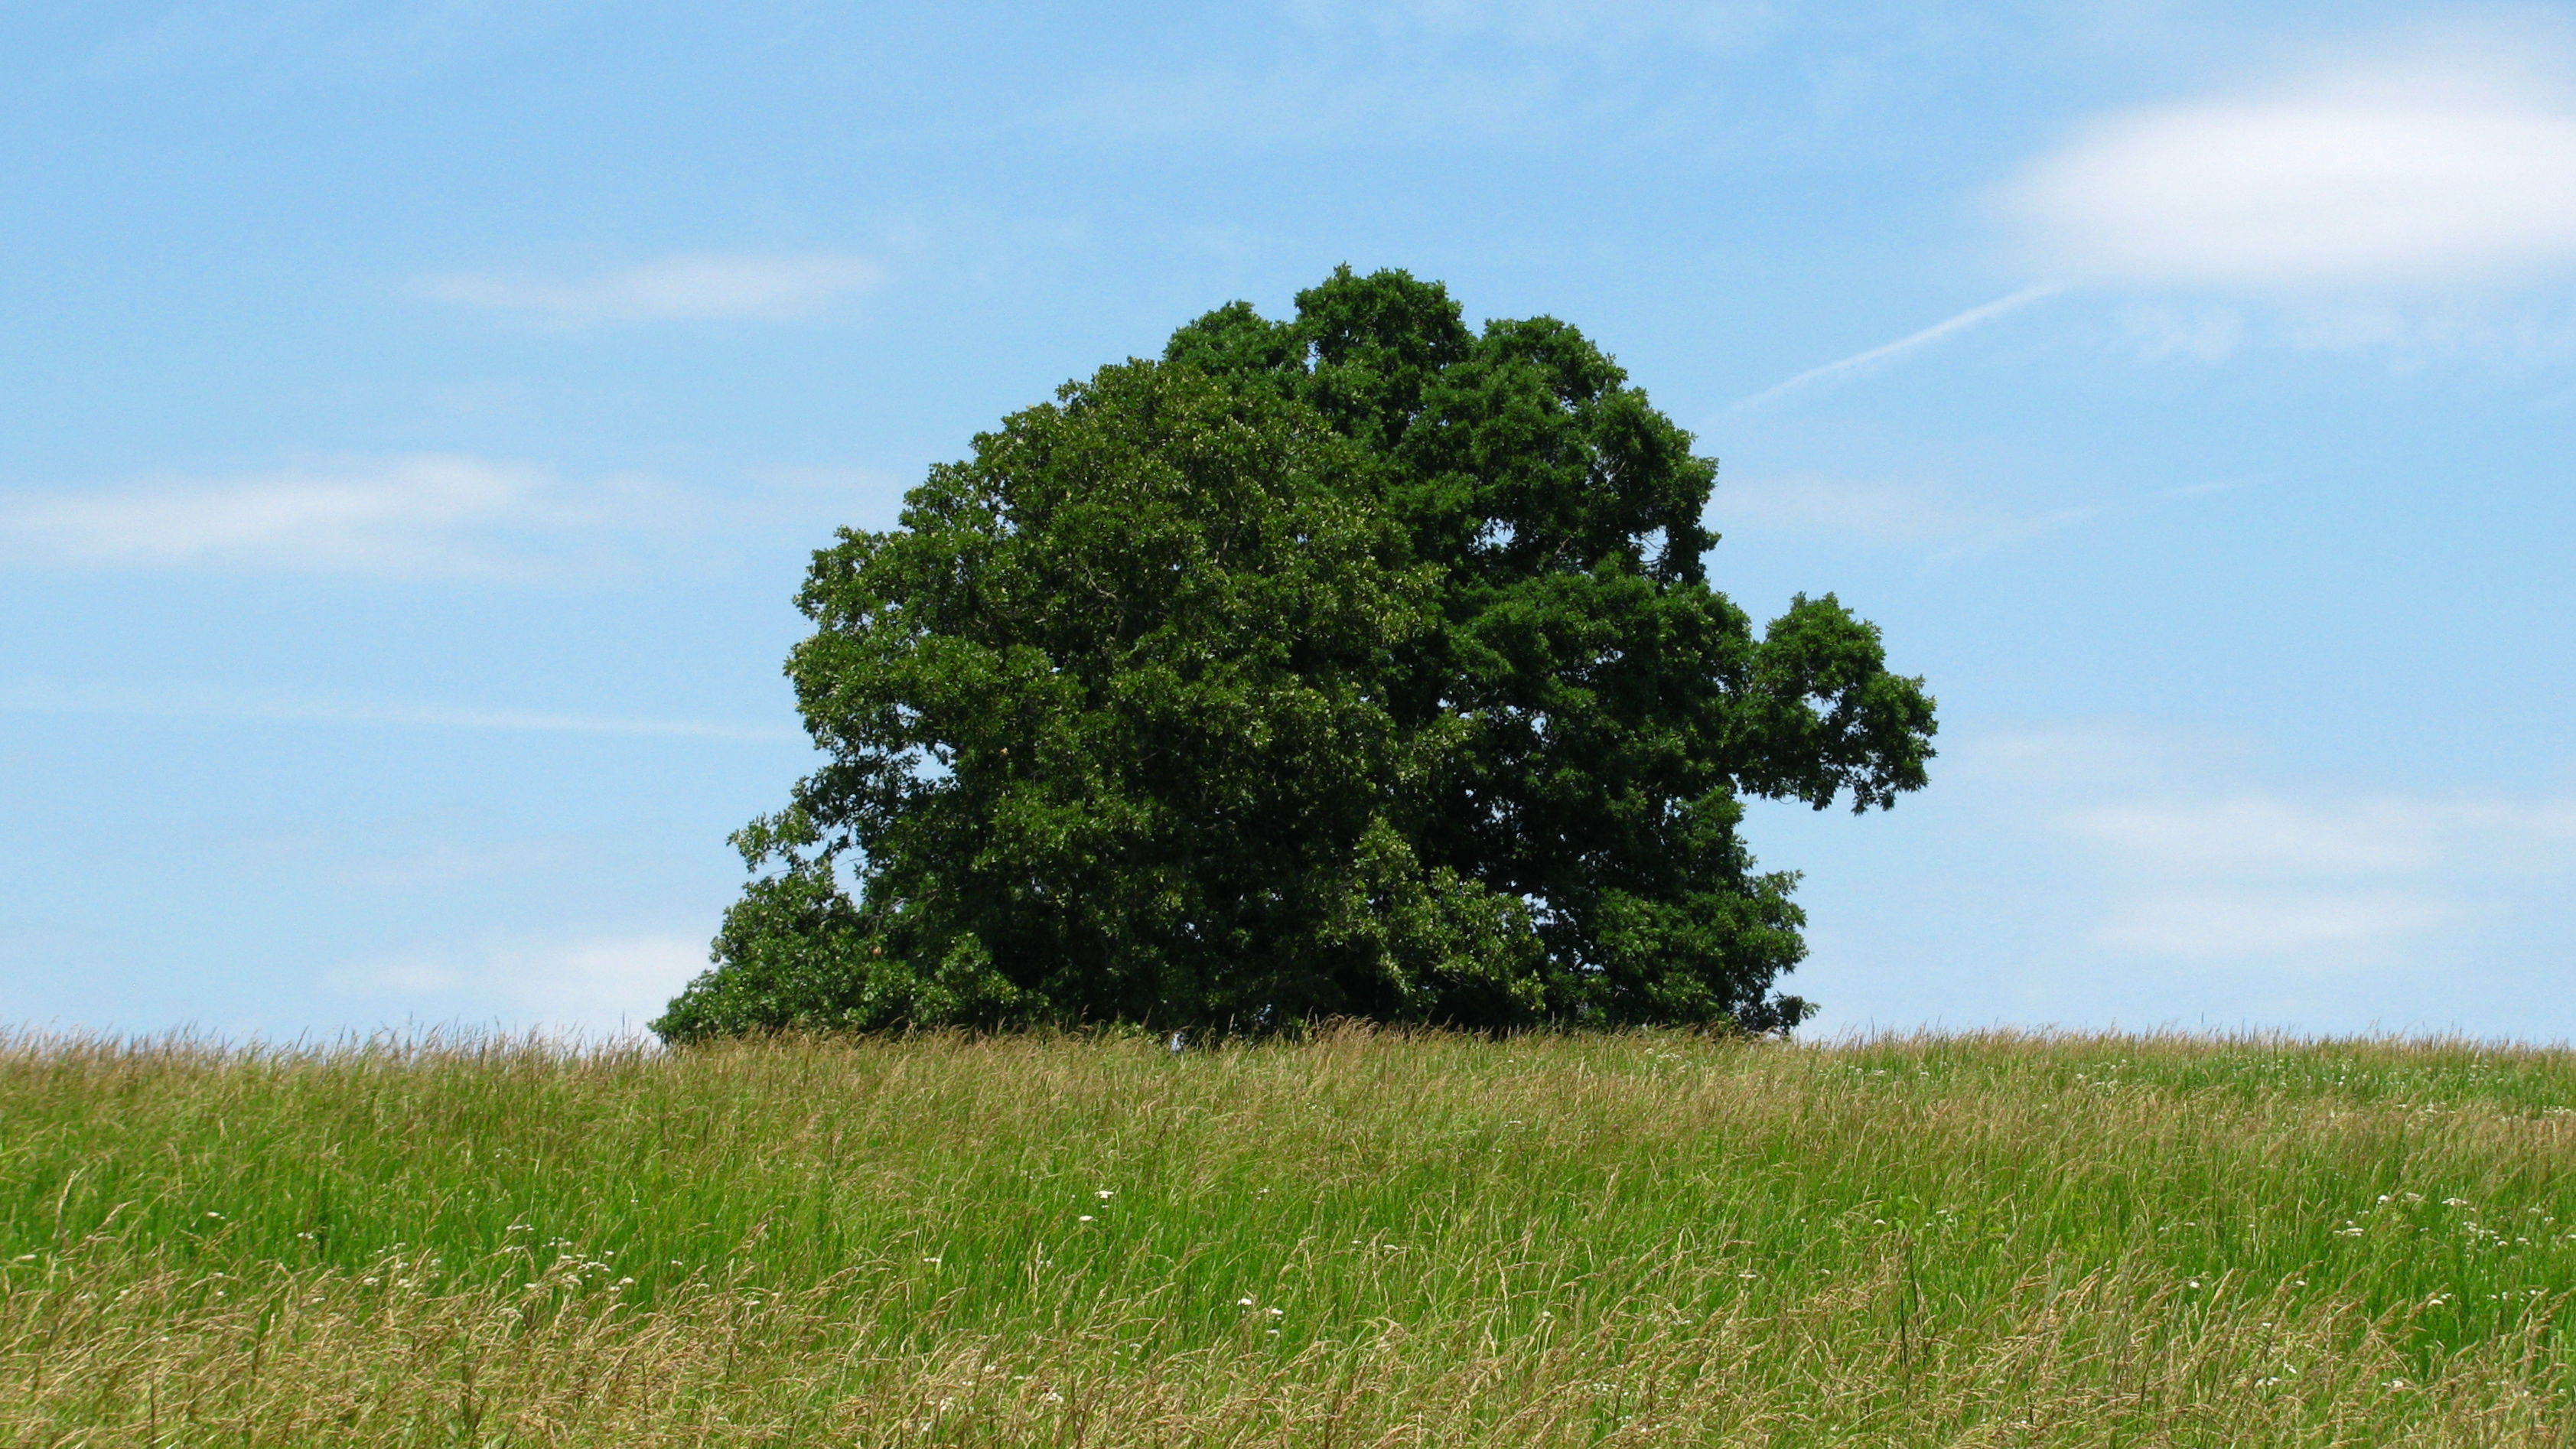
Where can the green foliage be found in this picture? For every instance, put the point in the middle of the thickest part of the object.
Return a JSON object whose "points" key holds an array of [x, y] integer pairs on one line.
{"points": [[1109, 740], [1355, 664]]}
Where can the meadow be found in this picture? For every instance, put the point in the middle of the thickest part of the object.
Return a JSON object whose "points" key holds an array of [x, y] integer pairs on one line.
{"points": [[1365, 1238]]}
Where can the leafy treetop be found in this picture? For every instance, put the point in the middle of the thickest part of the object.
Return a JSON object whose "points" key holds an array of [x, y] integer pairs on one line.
{"points": [[1356, 663]]}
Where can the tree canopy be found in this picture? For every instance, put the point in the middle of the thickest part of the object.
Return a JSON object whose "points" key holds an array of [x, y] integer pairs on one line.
{"points": [[1358, 663]]}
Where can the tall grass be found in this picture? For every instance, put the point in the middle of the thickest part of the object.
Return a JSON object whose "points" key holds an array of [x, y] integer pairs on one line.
{"points": [[1362, 1239]]}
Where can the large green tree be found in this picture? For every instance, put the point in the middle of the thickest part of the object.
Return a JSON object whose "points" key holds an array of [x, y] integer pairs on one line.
{"points": [[1356, 663]]}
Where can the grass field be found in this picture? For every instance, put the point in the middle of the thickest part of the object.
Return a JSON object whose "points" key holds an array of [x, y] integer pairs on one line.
{"points": [[1363, 1239]]}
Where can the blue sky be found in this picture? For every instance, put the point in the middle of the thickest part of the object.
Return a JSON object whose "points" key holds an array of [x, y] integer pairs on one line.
{"points": [[414, 417]]}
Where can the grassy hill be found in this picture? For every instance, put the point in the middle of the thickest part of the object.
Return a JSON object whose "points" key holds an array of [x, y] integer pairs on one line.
{"points": [[1363, 1239]]}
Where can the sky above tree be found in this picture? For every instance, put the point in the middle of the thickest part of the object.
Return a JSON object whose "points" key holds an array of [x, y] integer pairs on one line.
{"points": [[415, 419]]}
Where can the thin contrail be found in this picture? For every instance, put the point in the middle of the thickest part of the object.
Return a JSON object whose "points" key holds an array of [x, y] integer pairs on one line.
{"points": [[1877, 357]]}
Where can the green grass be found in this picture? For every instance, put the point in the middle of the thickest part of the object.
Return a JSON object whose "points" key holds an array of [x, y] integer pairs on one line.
{"points": [[1363, 1239]]}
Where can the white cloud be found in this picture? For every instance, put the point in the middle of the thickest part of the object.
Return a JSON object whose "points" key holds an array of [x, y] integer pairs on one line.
{"points": [[2451, 167], [2233, 924], [2236, 835], [2203, 334], [2257, 832], [601, 987], [2176, 856], [2117, 873], [1876, 511], [699, 287], [2094, 759], [416, 515], [1949, 521], [2411, 337]]}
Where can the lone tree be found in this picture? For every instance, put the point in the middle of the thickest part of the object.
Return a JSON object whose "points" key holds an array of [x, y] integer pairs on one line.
{"points": [[1355, 664]]}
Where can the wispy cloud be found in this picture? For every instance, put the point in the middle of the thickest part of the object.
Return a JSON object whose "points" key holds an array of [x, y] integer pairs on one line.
{"points": [[2510, 332], [2195, 867], [1493, 69], [1948, 521], [1862, 364], [2448, 164], [698, 287], [2039, 523], [600, 987], [2161, 332], [2229, 923], [416, 515], [54, 696], [2249, 834], [1885, 512]]}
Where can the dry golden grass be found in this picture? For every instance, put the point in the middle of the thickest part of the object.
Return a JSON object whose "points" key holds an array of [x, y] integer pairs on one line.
{"points": [[1364, 1239]]}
